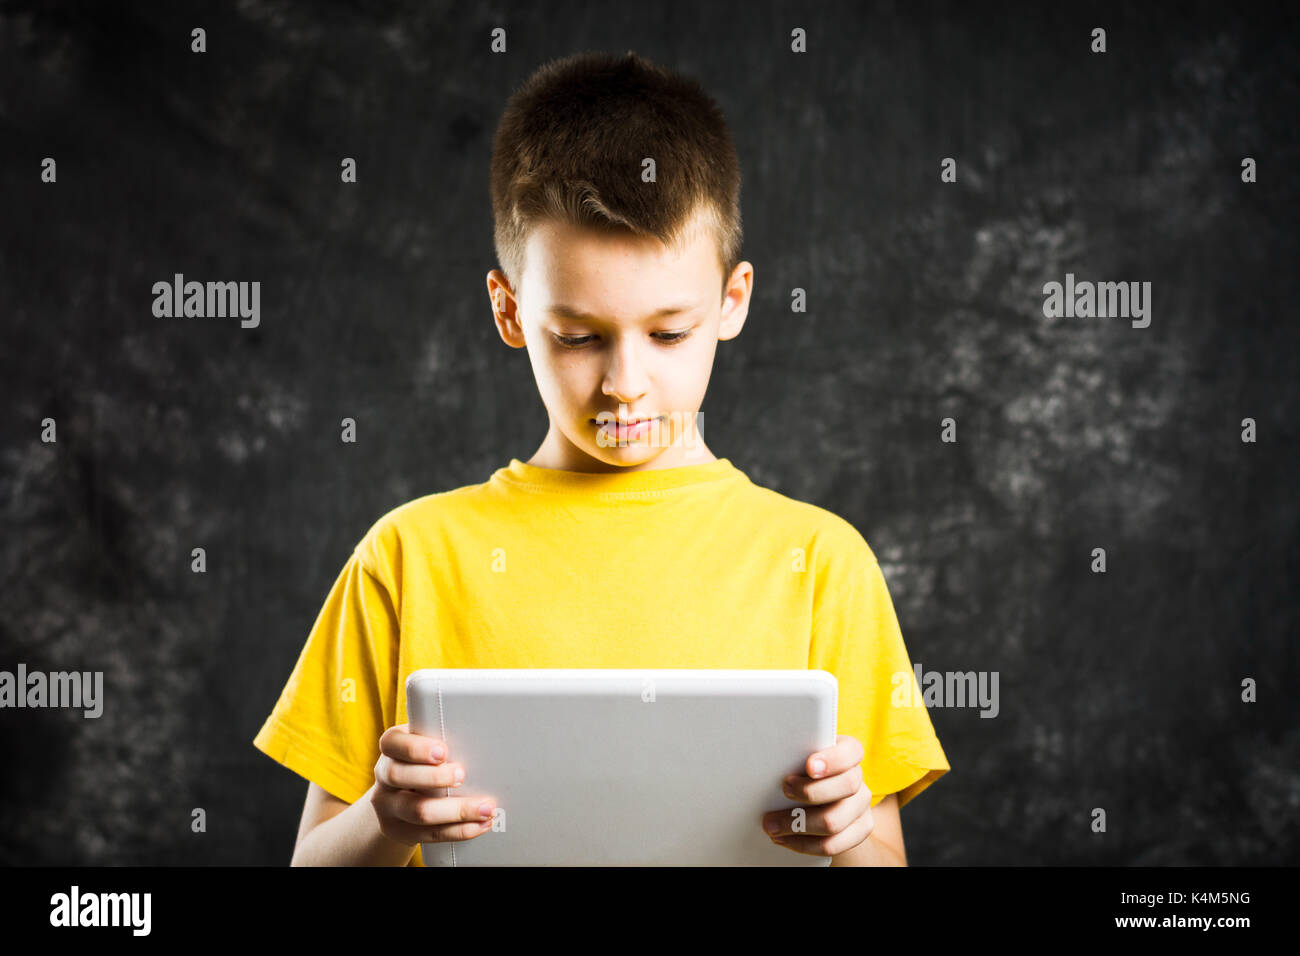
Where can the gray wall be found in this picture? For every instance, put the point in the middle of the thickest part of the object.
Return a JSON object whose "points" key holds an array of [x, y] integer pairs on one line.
{"points": [[1118, 690]]}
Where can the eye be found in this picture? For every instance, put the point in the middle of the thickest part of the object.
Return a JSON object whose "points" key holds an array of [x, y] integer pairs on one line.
{"points": [[673, 337], [577, 341], [572, 341]]}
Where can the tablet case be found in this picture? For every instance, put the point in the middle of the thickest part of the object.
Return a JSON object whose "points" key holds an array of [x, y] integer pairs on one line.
{"points": [[666, 767]]}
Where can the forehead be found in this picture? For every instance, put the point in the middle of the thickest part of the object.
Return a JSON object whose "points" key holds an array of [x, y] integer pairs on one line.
{"points": [[570, 263]]}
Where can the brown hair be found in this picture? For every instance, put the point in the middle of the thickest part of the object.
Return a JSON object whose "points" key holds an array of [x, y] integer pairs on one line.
{"points": [[570, 146]]}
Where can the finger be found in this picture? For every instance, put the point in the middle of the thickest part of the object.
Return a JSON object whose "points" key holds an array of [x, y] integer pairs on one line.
{"points": [[400, 775], [459, 831], [824, 820], [400, 744], [411, 807], [411, 833], [805, 790], [845, 753], [832, 845]]}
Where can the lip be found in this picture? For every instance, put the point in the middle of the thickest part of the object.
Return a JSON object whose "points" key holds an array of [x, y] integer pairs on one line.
{"points": [[626, 422], [623, 434]]}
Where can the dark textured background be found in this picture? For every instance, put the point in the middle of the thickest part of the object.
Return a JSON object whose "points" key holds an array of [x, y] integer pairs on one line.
{"points": [[1118, 690]]}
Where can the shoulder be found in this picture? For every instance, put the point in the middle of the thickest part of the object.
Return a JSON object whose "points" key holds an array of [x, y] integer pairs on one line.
{"points": [[833, 539], [413, 528]]}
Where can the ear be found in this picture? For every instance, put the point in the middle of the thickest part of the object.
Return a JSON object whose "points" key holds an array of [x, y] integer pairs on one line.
{"points": [[505, 309], [735, 301]]}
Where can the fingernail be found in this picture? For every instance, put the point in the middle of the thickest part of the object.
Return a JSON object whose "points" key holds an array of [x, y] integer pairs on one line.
{"points": [[485, 809], [817, 767], [771, 826], [457, 777], [437, 753]]}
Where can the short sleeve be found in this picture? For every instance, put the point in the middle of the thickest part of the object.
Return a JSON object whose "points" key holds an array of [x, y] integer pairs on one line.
{"points": [[340, 697], [856, 637]]}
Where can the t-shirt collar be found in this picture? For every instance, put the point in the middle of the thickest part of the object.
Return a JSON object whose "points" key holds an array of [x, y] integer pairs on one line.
{"points": [[621, 482]]}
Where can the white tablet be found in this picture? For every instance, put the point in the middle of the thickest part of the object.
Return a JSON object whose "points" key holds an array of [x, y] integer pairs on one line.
{"points": [[595, 767]]}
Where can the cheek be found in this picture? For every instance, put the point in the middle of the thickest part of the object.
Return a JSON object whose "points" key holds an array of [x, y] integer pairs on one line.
{"points": [[688, 374], [572, 378], [557, 364]]}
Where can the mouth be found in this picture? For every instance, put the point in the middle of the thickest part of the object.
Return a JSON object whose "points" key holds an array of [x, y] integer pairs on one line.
{"points": [[627, 428], [625, 422]]}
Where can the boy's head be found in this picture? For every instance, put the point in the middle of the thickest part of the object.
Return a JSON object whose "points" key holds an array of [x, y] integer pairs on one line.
{"points": [[615, 192]]}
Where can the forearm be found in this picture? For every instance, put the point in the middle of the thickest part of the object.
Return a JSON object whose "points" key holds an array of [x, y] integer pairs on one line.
{"points": [[351, 838], [870, 852]]}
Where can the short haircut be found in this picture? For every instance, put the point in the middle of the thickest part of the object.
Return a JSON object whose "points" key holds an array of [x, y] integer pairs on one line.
{"points": [[570, 145]]}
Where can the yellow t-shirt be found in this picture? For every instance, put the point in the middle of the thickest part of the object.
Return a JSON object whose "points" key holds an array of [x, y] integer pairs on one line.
{"points": [[688, 567]]}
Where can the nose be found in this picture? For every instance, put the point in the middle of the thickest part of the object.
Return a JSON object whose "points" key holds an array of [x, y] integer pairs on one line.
{"points": [[625, 378]]}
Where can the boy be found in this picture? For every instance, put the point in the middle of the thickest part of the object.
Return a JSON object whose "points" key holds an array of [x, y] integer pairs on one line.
{"points": [[616, 544]]}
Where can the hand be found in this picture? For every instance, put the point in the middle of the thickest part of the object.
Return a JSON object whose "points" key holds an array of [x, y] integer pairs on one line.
{"points": [[409, 796], [838, 803]]}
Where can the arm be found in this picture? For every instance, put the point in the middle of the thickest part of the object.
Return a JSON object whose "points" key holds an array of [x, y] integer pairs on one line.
{"points": [[884, 845], [334, 833]]}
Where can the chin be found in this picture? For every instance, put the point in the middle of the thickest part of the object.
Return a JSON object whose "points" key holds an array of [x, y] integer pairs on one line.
{"points": [[624, 455]]}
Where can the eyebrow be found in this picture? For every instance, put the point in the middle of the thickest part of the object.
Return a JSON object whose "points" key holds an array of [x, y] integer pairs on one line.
{"points": [[568, 312]]}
